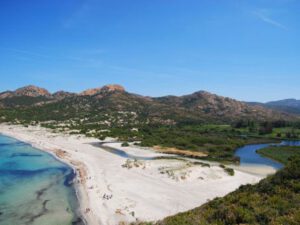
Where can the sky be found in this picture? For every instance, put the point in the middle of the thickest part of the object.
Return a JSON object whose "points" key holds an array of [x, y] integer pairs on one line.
{"points": [[245, 49]]}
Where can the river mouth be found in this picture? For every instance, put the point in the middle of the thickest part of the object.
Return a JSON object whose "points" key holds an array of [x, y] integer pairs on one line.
{"points": [[35, 188], [249, 157]]}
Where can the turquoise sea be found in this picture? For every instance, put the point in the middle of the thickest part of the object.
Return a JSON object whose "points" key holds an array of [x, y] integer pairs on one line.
{"points": [[35, 188]]}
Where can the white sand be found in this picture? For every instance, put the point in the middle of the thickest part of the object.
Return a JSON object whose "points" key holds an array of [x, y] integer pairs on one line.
{"points": [[153, 190], [262, 170]]}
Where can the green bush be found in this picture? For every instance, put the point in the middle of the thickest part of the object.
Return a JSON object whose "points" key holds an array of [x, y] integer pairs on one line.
{"points": [[230, 171], [125, 144]]}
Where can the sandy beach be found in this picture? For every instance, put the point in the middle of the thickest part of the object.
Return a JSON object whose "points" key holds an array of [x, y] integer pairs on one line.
{"points": [[114, 190]]}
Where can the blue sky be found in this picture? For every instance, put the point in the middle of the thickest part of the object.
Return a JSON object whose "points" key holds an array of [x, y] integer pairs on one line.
{"points": [[248, 50]]}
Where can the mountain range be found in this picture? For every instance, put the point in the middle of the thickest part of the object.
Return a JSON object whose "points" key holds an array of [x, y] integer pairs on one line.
{"points": [[286, 105], [114, 101]]}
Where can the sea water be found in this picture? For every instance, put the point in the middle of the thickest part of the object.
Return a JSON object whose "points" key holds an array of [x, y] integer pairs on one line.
{"points": [[35, 188]]}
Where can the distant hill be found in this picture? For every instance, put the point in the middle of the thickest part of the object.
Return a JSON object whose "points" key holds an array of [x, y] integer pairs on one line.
{"points": [[113, 102], [29, 91], [287, 105]]}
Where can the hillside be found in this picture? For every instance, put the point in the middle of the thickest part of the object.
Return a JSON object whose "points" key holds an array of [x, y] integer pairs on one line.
{"points": [[201, 122], [287, 105], [275, 200], [217, 107], [114, 101]]}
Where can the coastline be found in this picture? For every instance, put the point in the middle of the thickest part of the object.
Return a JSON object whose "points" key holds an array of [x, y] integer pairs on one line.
{"points": [[81, 195], [142, 193], [77, 188]]}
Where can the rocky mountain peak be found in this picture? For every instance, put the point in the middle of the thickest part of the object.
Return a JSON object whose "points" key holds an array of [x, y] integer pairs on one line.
{"points": [[104, 89], [112, 88], [6, 94], [32, 91]]}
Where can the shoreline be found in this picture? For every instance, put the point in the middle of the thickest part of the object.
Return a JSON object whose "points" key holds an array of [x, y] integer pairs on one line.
{"points": [[79, 190], [79, 211], [113, 190]]}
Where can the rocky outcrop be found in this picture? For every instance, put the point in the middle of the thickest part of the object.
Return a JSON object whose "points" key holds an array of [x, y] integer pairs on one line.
{"points": [[31, 91], [6, 94], [113, 88], [105, 89], [63, 94], [34, 91]]}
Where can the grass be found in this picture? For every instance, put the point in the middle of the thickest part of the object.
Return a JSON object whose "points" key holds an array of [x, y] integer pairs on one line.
{"points": [[282, 154], [285, 132], [229, 171], [125, 144], [213, 142], [217, 142]]}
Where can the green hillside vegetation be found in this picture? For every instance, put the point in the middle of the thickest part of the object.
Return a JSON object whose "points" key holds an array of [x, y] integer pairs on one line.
{"points": [[275, 200], [218, 141], [281, 154], [199, 122]]}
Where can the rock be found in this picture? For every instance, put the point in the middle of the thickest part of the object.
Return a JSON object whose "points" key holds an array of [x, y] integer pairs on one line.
{"points": [[62, 94], [112, 88], [104, 89], [32, 91]]}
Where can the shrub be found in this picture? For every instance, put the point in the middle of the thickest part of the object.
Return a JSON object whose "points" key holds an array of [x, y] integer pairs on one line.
{"points": [[125, 144], [230, 171]]}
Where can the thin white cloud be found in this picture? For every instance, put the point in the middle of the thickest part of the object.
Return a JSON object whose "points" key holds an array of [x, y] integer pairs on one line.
{"points": [[31, 55], [264, 15], [27, 53]]}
